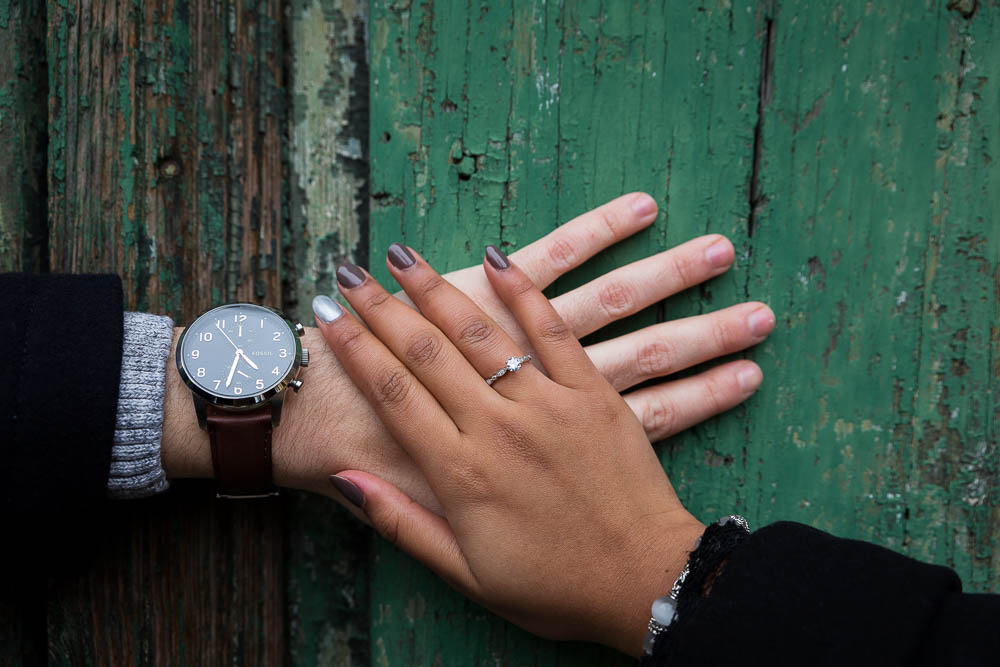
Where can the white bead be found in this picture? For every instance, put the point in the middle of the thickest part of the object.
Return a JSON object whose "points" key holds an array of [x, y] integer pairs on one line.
{"points": [[664, 610]]}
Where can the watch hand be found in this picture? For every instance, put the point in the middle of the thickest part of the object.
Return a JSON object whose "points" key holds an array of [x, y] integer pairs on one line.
{"points": [[246, 359], [232, 369], [226, 335]]}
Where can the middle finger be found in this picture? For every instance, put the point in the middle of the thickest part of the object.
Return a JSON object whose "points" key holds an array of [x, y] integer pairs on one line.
{"points": [[420, 345]]}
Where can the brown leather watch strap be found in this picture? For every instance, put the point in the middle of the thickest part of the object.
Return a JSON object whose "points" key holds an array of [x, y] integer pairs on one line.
{"points": [[241, 451]]}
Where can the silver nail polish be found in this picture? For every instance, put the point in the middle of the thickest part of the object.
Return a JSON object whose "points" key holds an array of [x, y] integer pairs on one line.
{"points": [[326, 309]]}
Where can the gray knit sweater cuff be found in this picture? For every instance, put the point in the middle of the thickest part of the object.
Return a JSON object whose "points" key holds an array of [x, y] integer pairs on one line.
{"points": [[135, 457]]}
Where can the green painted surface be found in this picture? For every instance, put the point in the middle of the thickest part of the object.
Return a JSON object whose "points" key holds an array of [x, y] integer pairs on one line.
{"points": [[845, 149]]}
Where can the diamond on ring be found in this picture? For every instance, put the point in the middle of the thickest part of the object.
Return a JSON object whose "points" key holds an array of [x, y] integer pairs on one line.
{"points": [[513, 364]]}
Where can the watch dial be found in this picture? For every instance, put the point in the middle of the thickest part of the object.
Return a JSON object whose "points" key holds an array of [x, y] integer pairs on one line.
{"points": [[238, 351]]}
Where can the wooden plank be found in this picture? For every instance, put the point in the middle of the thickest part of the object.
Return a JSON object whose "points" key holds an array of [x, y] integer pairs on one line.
{"points": [[494, 123], [845, 151], [327, 556], [165, 166], [876, 243], [165, 163], [23, 234]]}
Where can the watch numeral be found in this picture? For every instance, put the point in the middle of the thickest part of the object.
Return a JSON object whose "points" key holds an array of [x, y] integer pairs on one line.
{"points": [[277, 335], [260, 384], [205, 336], [201, 372], [262, 324], [217, 383], [282, 353], [275, 371], [195, 354], [220, 323], [239, 318], [237, 390]]}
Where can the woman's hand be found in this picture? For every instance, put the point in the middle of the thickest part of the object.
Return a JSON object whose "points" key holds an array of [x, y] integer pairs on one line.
{"points": [[558, 515]]}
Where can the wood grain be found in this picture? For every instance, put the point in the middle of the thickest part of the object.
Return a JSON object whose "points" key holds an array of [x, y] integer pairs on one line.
{"points": [[846, 151], [23, 232]]}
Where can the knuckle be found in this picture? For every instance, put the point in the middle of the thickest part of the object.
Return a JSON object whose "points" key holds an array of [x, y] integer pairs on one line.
{"points": [[617, 299], [722, 336], [554, 331], [562, 254], [350, 339], [522, 286], [392, 386], [431, 283], [660, 417], [387, 525], [654, 358], [423, 348], [683, 267], [716, 395], [475, 330], [375, 301], [608, 218]]}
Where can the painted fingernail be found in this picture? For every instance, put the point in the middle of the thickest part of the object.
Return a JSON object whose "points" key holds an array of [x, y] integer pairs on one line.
{"points": [[400, 256], [326, 309], [349, 490], [761, 322], [496, 258], [643, 206], [349, 275], [720, 253], [749, 379]]}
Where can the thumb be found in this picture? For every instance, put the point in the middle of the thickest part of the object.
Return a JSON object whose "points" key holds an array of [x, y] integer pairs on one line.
{"points": [[408, 525]]}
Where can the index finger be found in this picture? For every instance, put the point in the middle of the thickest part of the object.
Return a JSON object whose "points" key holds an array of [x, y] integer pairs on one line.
{"points": [[573, 243], [413, 416]]}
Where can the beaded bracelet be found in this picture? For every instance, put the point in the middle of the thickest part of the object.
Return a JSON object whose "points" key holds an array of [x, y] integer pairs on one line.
{"points": [[664, 611]]}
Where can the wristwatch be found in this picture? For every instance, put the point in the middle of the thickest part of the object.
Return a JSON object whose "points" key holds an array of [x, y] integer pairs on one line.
{"points": [[238, 361]]}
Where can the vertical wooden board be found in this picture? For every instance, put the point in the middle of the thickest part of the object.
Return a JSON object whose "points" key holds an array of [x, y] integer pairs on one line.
{"points": [[180, 579], [165, 166], [494, 123], [875, 243], [327, 554], [165, 148], [23, 234]]}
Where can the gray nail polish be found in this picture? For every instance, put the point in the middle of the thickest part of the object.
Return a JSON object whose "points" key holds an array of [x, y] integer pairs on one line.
{"points": [[349, 490], [326, 309]]}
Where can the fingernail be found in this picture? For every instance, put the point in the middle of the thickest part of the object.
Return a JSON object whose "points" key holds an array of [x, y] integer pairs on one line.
{"points": [[761, 322], [349, 275], [496, 258], [349, 490], [749, 379], [326, 309], [400, 256], [644, 206], [720, 253]]}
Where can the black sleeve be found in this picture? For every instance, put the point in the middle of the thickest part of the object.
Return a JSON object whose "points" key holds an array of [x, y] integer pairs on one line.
{"points": [[793, 595], [61, 336]]}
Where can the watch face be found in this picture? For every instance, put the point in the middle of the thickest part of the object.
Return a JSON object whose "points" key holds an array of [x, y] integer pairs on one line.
{"points": [[238, 351]]}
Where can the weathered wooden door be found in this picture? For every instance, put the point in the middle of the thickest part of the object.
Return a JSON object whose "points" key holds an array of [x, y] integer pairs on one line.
{"points": [[220, 149]]}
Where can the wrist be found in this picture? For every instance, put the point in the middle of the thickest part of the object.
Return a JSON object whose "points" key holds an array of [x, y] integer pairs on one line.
{"points": [[657, 563]]}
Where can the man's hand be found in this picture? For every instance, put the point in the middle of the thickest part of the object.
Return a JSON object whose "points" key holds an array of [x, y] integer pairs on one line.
{"points": [[329, 426]]}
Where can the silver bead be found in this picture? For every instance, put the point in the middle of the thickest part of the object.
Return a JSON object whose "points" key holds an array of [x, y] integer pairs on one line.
{"points": [[647, 643]]}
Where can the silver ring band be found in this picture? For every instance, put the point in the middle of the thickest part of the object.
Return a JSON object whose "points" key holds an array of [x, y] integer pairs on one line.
{"points": [[513, 364]]}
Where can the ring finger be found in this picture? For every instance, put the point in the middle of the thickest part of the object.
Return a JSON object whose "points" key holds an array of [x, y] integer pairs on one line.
{"points": [[669, 347]]}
